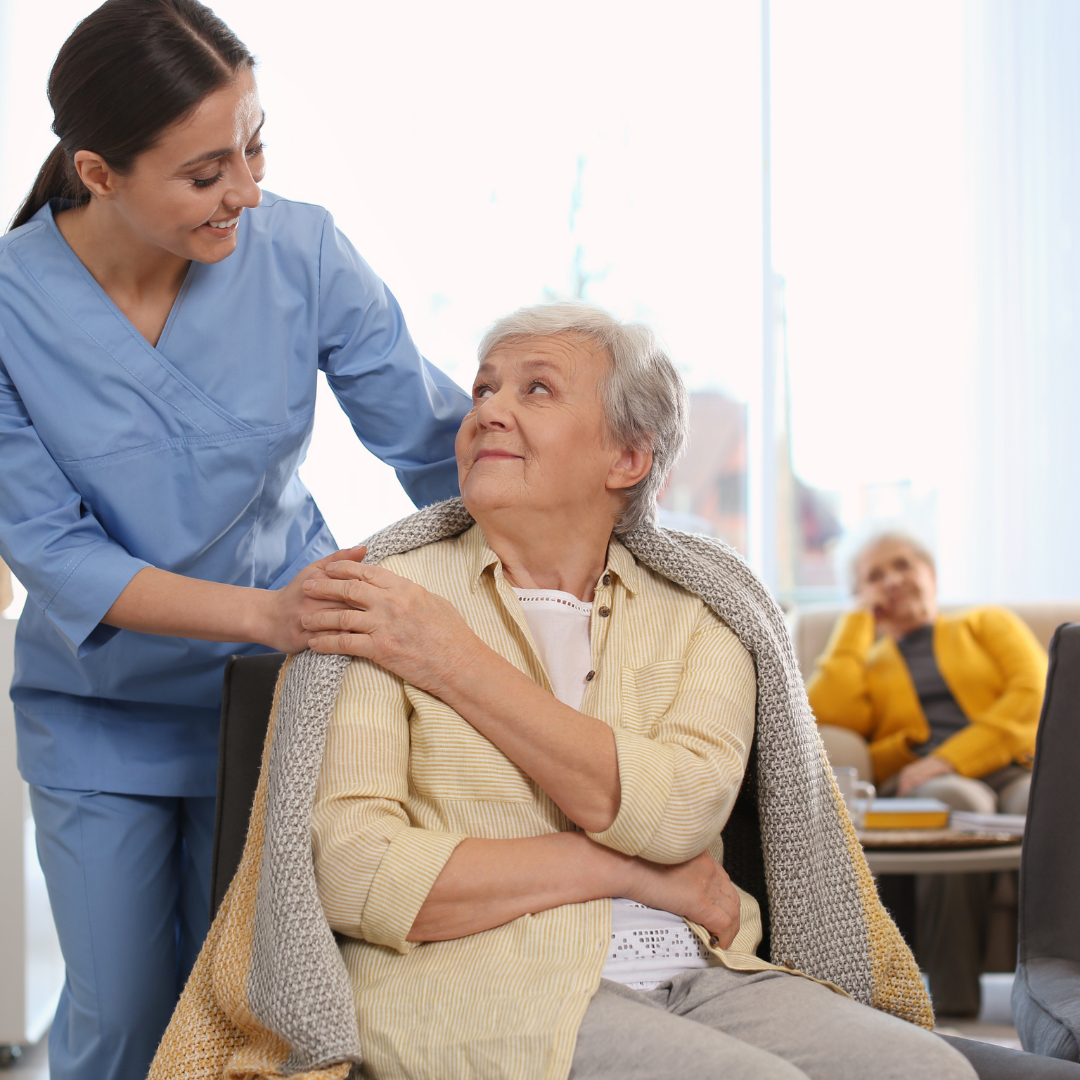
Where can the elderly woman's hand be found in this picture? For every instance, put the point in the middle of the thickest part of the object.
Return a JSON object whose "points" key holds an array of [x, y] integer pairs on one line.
{"points": [[699, 890], [918, 772], [398, 624]]}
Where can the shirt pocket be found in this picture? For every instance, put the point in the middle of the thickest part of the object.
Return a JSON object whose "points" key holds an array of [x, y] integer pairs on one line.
{"points": [[450, 759], [646, 694]]}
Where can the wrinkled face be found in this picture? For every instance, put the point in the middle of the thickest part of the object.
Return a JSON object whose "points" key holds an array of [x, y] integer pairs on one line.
{"points": [[186, 193], [537, 436], [899, 586]]}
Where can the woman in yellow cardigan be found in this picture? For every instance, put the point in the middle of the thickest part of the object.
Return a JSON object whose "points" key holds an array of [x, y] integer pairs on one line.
{"points": [[948, 703]]}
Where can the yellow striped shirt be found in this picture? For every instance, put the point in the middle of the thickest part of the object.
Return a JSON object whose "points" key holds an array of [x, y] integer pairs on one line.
{"points": [[405, 779]]}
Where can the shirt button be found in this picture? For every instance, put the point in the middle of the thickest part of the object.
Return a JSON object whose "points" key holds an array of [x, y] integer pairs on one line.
{"points": [[604, 612], [607, 579], [591, 675]]}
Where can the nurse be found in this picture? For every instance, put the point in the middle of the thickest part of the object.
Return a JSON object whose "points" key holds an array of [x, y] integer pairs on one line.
{"points": [[162, 324]]}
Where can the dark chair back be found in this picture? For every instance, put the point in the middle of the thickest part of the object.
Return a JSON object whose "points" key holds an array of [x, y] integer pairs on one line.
{"points": [[1046, 990], [744, 856], [1050, 864], [246, 700]]}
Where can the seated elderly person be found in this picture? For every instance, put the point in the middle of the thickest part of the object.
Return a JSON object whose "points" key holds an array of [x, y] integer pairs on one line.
{"points": [[949, 703], [529, 765]]}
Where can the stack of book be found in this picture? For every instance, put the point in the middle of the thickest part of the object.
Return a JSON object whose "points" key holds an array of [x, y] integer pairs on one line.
{"points": [[906, 814], [969, 822]]}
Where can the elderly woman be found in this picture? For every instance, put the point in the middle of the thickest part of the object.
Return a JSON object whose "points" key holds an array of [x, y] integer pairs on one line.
{"points": [[530, 762], [948, 703]]}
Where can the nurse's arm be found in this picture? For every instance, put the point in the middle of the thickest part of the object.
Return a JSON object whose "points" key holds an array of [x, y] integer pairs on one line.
{"points": [[404, 409], [159, 602]]}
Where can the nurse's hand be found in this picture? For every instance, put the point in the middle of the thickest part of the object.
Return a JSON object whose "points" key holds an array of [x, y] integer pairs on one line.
{"points": [[285, 609], [370, 611], [157, 601]]}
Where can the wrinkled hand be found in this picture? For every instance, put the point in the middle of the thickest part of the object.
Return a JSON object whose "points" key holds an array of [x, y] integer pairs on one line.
{"points": [[391, 620], [699, 890], [283, 628], [918, 772]]}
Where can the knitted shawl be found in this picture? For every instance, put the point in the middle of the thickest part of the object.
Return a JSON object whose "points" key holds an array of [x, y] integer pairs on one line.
{"points": [[269, 995]]}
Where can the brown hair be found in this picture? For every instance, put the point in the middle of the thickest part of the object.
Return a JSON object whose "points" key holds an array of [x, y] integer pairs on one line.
{"points": [[129, 70]]}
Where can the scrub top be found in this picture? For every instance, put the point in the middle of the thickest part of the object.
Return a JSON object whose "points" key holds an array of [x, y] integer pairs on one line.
{"points": [[115, 455]]}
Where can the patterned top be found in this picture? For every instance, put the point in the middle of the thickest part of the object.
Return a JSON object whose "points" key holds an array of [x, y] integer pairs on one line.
{"points": [[405, 779]]}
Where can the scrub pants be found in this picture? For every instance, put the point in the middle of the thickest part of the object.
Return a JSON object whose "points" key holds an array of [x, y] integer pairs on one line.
{"points": [[129, 884]]}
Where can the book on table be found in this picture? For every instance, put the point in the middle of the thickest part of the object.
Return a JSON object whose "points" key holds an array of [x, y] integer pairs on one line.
{"points": [[969, 821], [906, 814]]}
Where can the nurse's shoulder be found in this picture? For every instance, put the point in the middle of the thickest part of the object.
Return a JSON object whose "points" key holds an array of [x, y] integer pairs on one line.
{"points": [[29, 263], [24, 239], [304, 244], [292, 227]]}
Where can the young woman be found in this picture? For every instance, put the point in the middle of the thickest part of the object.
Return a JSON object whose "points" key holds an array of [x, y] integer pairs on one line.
{"points": [[162, 323]]}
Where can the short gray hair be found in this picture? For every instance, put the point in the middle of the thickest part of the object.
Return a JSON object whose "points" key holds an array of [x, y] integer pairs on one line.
{"points": [[888, 536], [643, 395]]}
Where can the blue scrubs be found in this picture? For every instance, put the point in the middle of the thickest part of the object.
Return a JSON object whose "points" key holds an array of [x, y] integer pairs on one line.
{"points": [[118, 455]]}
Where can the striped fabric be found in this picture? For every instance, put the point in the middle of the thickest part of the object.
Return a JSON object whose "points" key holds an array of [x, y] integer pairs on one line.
{"points": [[404, 779], [270, 995]]}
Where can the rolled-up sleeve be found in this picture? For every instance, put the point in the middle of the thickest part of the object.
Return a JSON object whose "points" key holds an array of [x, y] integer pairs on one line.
{"points": [[679, 780], [373, 868], [70, 567], [403, 409]]}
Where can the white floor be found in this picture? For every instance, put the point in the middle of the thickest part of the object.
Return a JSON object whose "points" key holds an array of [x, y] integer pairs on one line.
{"points": [[32, 1065]]}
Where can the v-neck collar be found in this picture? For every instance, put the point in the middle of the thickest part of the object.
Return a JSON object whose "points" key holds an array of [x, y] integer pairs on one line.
{"points": [[107, 299], [128, 347]]}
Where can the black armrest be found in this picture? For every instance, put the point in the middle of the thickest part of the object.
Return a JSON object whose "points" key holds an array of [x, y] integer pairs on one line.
{"points": [[247, 698]]}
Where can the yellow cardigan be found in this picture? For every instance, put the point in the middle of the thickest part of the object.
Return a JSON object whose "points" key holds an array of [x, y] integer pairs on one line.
{"points": [[990, 661]]}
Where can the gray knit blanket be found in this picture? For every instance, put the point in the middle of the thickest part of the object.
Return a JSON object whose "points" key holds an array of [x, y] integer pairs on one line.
{"points": [[270, 996]]}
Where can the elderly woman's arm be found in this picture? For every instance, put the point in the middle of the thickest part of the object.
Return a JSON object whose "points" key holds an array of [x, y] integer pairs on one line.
{"points": [[421, 638], [838, 690], [486, 883], [663, 795], [383, 879], [1005, 730]]}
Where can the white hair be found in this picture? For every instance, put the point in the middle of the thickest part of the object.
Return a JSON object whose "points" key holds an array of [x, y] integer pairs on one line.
{"points": [[888, 536], [644, 398]]}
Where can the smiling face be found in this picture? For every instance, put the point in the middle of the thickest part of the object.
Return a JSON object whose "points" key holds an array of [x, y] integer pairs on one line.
{"points": [[185, 194], [537, 436], [898, 586]]}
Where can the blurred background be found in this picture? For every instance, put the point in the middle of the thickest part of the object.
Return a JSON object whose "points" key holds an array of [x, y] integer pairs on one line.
{"points": [[854, 225]]}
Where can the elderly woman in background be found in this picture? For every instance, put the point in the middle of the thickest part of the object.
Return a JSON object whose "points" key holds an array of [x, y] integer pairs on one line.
{"points": [[949, 705], [528, 769]]}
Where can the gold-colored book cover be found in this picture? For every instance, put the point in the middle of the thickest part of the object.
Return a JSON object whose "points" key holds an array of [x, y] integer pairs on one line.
{"points": [[906, 814]]}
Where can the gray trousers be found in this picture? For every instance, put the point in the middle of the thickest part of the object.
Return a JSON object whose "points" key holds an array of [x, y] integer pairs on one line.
{"points": [[716, 1024]]}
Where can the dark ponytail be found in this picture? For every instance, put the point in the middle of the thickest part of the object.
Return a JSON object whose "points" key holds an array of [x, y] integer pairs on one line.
{"points": [[129, 70]]}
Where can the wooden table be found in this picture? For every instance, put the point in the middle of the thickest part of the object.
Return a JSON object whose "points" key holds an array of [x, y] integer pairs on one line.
{"points": [[942, 861], [939, 851]]}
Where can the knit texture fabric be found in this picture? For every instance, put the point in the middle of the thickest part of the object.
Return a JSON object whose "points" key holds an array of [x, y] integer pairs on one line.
{"points": [[269, 995]]}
